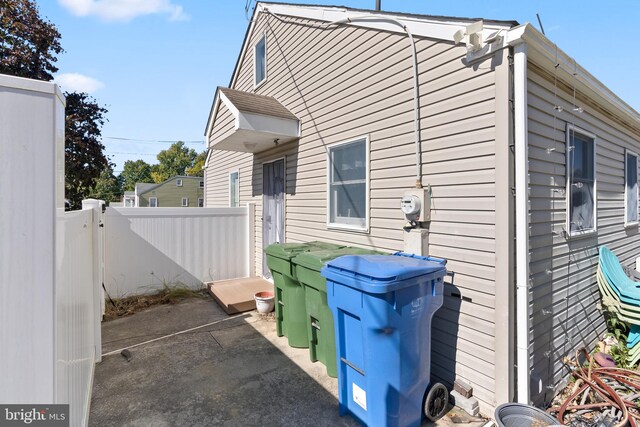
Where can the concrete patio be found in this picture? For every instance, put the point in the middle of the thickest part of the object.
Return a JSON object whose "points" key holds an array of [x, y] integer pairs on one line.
{"points": [[234, 372]]}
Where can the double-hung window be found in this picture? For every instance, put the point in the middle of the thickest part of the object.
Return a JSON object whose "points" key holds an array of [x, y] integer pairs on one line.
{"points": [[630, 188], [581, 181], [153, 202], [178, 182], [185, 202], [234, 189], [260, 61], [348, 185]]}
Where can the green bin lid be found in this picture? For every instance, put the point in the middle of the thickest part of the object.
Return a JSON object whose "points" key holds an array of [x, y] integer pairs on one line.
{"points": [[315, 260], [324, 245], [289, 250]]}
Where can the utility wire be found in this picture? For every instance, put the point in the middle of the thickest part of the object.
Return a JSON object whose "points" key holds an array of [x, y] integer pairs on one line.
{"points": [[152, 140]]}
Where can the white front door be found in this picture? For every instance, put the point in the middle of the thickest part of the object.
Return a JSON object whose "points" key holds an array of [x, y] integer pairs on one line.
{"points": [[273, 182]]}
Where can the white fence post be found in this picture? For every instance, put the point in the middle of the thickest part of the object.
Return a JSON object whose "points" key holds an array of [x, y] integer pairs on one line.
{"points": [[98, 261], [251, 234]]}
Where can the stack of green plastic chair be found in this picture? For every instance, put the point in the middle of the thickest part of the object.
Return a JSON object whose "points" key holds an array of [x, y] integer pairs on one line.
{"points": [[620, 295]]}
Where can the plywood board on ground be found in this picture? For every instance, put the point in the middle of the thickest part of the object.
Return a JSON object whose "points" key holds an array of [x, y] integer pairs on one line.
{"points": [[236, 295]]}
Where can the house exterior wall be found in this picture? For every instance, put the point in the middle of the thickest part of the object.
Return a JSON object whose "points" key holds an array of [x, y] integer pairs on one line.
{"points": [[170, 195], [349, 82], [564, 295]]}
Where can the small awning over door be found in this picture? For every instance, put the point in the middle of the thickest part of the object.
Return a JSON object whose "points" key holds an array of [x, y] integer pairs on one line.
{"points": [[260, 122]]}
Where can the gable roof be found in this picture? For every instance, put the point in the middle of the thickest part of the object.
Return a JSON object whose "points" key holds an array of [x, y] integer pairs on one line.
{"points": [[542, 51], [420, 25], [257, 104]]}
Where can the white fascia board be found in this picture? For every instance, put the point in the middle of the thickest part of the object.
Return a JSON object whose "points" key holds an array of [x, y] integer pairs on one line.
{"points": [[231, 107], [268, 124], [32, 85], [543, 52], [433, 28], [212, 116]]}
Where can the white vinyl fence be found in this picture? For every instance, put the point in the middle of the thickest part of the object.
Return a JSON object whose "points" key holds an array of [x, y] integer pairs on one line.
{"points": [[78, 311], [49, 286], [147, 249]]}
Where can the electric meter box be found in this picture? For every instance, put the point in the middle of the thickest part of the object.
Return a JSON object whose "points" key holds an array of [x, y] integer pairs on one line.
{"points": [[416, 204]]}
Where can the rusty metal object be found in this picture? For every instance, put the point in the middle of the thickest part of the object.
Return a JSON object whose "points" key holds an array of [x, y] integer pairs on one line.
{"points": [[600, 390]]}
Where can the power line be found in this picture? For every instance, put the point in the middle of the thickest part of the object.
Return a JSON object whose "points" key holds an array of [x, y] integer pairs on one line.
{"points": [[133, 154], [152, 141]]}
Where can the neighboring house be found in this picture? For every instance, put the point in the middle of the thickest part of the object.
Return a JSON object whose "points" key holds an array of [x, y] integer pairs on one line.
{"points": [[180, 191], [530, 160], [129, 199]]}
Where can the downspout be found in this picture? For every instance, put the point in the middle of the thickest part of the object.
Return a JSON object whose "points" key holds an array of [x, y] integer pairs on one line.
{"points": [[522, 221]]}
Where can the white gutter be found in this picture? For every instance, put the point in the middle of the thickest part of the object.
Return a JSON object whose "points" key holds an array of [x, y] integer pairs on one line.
{"points": [[522, 221]]}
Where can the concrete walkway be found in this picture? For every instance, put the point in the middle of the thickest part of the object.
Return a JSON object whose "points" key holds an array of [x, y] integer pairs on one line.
{"points": [[235, 372]]}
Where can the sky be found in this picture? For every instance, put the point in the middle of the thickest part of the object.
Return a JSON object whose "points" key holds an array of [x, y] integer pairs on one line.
{"points": [[155, 64]]}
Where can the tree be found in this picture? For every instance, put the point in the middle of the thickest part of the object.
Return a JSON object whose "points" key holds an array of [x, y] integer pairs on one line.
{"points": [[84, 156], [135, 171], [198, 164], [173, 161], [28, 44], [107, 187]]}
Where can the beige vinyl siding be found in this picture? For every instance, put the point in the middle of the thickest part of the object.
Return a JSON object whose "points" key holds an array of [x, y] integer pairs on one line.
{"points": [[350, 82], [564, 293]]}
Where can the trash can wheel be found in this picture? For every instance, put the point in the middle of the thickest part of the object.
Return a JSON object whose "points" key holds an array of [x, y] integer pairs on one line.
{"points": [[435, 404]]}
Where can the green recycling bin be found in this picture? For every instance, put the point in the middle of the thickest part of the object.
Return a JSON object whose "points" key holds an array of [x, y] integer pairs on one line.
{"points": [[289, 296], [319, 320]]}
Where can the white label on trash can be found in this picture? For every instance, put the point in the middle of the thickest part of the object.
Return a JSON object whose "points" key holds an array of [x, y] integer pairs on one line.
{"points": [[359, 396]]}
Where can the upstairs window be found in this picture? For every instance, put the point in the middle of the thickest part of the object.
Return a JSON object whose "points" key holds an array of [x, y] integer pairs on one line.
{"points": [[630, 188], [234, 189], [581, 181], [348, 186], [260, 60], [201, 184], [178, 182]]}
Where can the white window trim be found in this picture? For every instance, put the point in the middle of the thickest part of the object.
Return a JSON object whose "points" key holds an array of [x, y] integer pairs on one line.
{"points": [[155, 199], [231, 172], [201, 184], [575, 234], [185, 202], [178, 182], [628, 223], [201, 199], [256, 84], [340, 226]]}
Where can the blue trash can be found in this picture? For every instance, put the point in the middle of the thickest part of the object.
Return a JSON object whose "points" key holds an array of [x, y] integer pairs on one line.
{"points": [[382, 307]]}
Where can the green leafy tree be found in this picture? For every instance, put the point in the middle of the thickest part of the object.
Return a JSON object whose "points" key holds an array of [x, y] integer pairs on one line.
{"points": [[107, 187], [173, 161], [135, 171], [198, 164], [28, 43], [84, 152]]}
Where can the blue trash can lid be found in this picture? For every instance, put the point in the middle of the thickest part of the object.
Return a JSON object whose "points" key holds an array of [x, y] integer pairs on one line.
{"points": [[379, 273]]}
